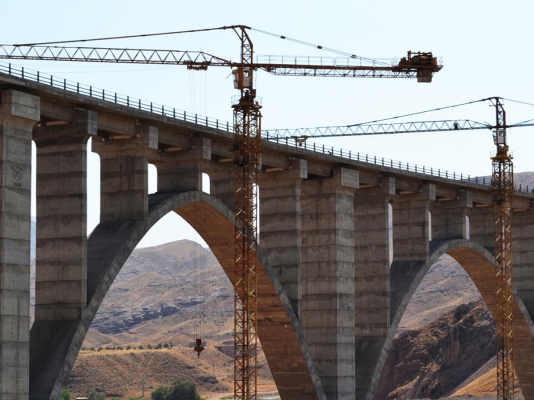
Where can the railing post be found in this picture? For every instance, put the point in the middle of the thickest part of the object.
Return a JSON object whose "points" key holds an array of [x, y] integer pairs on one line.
{"points": [[206, 121], [78, 87], [174, 113], [103, 94], [150, 106], [196, 118], [9, 68], [22, 72], [90, 91], [217, 123], [227, 127], [37, 76], [163, 110], [139, 103], [127, 101], [185, 116], [51, 80]]}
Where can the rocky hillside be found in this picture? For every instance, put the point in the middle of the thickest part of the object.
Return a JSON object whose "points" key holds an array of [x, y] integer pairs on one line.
{"points": [[431, 361], [174, 292]]}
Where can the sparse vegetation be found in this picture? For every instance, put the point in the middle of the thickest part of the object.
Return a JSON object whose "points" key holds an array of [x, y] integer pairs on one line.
{"points": [[66, 395], [180, 390], [97, 396]]}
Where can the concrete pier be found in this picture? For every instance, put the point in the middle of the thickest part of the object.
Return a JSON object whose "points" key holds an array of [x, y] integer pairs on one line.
{"points": [[343, 243], [328, 279], [18, 114]]}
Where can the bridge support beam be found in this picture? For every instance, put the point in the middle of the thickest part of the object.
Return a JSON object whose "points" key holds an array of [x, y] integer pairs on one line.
{"points": [[411, 231], [449, 218], [18, 114], [124, 175], [61, 259], [181, 171], [482, 226], [328, 274], [280, 226], [222, 182], [373, 256]]}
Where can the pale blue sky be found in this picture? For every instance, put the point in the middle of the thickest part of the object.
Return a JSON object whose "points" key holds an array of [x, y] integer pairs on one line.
{"points": [[484, 45]]}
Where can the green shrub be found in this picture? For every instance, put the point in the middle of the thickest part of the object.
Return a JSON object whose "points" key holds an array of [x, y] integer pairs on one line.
{"points": [[180, 390], [140, 347], [165, 345], [100, 349], [149, 347], [66, 395], [97, 396], [128, 347]]}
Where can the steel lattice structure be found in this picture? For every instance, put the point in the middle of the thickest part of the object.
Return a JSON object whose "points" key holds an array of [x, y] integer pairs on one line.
{"points": [[246, 148], [503, 188]]}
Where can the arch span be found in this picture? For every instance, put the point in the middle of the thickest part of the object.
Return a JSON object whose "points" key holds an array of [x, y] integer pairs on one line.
{"points": [[479, 263], [55, 344]]}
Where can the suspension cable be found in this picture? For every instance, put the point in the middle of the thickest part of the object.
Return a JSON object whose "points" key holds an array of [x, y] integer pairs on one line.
{"points": [[517, 101], [417, 113], [133, 36], [342, 53]]}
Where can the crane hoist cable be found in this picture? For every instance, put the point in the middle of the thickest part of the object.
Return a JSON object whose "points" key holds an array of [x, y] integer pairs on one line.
{"points": [[246, 145]]}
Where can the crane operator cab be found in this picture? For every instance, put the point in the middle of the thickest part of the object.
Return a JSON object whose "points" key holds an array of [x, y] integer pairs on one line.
{"points": [[499, 137], [242, 78]]}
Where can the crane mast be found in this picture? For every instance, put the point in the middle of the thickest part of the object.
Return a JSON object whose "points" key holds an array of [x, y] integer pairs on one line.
{"points": [[502, 187], [246, 146], [246, 149]]}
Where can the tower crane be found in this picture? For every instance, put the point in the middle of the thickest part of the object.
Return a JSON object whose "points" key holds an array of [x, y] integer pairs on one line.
{"points": [[502, 188], [246, 142]]}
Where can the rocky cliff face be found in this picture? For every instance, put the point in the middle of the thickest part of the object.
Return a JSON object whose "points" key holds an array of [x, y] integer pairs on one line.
{"points": [[431, 361]]}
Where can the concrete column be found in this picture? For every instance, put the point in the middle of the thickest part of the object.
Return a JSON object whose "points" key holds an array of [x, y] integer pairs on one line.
{"points": [[449, 218], [482, 226], [124, 175], [523, 256], [372, 260], [280, 225], [411, 224], [222, 182], [61, 259], [327, 207], [18, 113], [181, 171]]}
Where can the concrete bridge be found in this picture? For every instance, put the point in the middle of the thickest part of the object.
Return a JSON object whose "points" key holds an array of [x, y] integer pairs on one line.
{"points": [[344, 242]]}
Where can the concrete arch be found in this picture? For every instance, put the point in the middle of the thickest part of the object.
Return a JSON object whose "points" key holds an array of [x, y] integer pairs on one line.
{"points": [[55, 344], [479, 263]]}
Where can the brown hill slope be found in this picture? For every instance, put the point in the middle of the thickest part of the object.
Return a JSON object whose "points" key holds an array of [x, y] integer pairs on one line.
{"points": [[431, 361]]}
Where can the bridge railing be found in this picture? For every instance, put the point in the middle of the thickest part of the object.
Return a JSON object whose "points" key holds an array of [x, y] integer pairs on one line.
{"points": [[114, 97], [386, 162], [202, 120]]}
